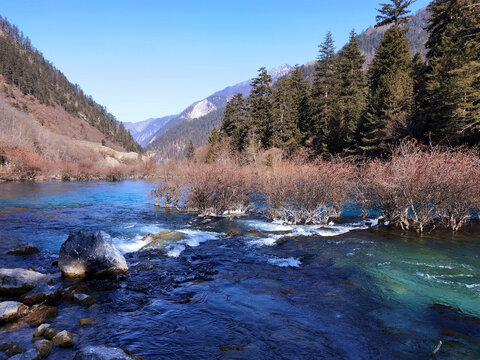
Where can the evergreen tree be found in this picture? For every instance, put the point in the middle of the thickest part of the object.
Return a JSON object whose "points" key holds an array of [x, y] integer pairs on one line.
{"points": [[301, 107], [352, 97], [260, 107], [234, 122], [214, 136], [419, 68], [289, 111], [325, 86], [190, 155], [395, 13], [391, 100], [453, 54]]}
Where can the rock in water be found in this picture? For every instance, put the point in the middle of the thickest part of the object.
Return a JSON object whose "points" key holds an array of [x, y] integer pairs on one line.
{"points": [[90, 253], [102, 353], [32, 354], [11, 310], [14, 282], [24, 250], [44, 347], [39, 314], [63, 339], [11, 348]]}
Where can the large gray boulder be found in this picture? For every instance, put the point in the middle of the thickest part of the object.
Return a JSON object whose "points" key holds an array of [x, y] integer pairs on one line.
{"points": [[88, 253], [15, 282], [101, 353]]}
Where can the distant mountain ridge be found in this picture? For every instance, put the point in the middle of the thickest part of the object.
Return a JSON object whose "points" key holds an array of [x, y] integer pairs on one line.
{"points": [[150, 133]]}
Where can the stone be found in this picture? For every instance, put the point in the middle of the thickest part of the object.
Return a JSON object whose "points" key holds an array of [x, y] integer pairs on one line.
{"points": [[102, 353], [83, 299], [233, 233], [15, 282], [24, 250], [69, 292], [50, 333], [39, 331], [86, 321], [39, 314], [32, 354], [50, 294], [90, 253], [11, 348], [63, 339], [44, 347], [12, 310]]}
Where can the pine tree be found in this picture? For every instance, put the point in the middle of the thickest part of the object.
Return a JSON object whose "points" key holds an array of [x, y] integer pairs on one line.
{"points": [[390, 104], [453, 54], [214, 136], [234, 122], [324, 90], [419, 68], [260, 107], [301, 104], [190, 155], [352, 97]]}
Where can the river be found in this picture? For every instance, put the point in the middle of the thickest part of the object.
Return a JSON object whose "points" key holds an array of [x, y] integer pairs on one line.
{"points": [[345, 291]]}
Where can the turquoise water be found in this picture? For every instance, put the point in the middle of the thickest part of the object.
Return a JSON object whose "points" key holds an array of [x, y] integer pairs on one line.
{"points": [[348, 290]]}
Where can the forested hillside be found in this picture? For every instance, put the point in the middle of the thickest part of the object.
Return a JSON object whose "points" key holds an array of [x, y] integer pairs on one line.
{"points": [[344, 111], [24, 67]]}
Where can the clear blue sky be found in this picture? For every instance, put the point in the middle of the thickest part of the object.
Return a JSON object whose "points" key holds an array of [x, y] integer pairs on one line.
{"points": [[149, 58]]}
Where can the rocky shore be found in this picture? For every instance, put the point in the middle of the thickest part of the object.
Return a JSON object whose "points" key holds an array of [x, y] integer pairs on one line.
{"points": [[31, 298]]}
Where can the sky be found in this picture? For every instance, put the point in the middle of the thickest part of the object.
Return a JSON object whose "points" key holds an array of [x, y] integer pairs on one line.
{"points": [[151, 58]]}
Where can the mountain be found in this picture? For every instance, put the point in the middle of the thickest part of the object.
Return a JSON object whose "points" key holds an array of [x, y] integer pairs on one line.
{"points": [[171, 140], [144, 131], [48, 124]]}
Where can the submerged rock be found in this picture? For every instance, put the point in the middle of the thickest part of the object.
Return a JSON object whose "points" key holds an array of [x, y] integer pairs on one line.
{"points": [[32, 354], [162, 238], [24, 250], [102, 353], [86, 321], [11, 348], [12, 310], [90, 253], [74, 289], [44, 347], [82, 299], [39, 314], [63, 339], [15, 282]]}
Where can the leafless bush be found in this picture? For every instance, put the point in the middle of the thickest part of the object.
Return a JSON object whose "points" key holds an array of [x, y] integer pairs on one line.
{"points": [[306, 193], [419, 187]]}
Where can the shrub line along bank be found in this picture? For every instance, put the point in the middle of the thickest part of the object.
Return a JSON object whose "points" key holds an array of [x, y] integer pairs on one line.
{"points": [[419, 188]]}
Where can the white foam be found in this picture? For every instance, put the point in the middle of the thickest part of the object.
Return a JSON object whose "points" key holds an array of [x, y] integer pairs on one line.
{"points": [[269, 241], [285, 262], [128, 245]]}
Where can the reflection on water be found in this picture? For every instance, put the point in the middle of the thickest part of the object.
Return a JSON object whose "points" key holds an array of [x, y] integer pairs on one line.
{"points": [[276, 291]]}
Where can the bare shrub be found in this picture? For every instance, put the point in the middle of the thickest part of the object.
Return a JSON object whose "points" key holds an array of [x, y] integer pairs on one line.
{"points": [[306, 193], [421, 187]]}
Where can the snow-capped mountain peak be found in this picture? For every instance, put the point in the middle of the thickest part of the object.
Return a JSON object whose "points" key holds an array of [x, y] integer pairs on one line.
{"points": [[280, 71]]}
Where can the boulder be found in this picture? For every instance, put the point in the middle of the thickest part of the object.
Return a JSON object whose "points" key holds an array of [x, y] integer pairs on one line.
{"points": [[11, 348], [32, 354], [44, 347], [15, 282], [102, 353], [63, 339], [90, 253], [39, 314], [11, 310], [83, 299], [24, 250]]}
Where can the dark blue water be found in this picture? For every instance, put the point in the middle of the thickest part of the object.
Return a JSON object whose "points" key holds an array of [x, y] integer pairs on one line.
{"points": [[345, 291]]}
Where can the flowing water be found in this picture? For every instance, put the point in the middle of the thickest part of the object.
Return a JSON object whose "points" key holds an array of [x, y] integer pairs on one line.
{"points": [[349, 290]]}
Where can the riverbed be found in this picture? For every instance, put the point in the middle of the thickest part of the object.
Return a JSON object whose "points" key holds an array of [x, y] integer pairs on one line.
{"points": [[350, 290]]}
